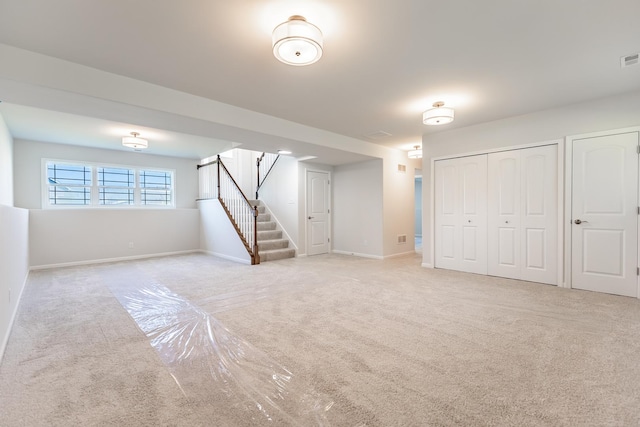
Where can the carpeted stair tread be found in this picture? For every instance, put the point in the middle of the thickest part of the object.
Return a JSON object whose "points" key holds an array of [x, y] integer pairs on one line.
{"points": [[275, 254]]}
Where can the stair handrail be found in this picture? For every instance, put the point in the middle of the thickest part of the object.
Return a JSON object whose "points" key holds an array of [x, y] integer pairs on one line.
{"points": [[265, 163], [236, 205]]}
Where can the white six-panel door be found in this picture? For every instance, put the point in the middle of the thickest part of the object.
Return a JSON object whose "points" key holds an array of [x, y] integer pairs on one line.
{"points": [[461, 214], [522, 214], [604, 203]]}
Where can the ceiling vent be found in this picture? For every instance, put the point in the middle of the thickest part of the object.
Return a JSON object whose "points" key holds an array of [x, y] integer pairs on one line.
{"points": [[378, 134], [629, 60]]}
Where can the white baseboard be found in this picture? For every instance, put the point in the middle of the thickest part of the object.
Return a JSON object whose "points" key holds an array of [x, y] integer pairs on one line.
{"points": [[227, 257], [107, 260], [400, 254], [357, 254], [427, 265], [5, 339]]}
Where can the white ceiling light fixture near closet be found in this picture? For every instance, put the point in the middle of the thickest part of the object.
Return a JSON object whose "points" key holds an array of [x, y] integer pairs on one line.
{"points": [[297, 42], [135, 142], [416, 153], [438, 115]]}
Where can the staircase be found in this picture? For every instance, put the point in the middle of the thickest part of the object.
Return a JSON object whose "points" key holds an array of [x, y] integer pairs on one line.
{"points": [[271, 245]]}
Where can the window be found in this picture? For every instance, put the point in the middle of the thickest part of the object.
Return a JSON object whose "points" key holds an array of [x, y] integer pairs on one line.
{"points": [[83, 184]]}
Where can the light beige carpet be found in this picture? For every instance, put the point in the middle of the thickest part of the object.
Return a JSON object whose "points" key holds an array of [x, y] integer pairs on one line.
{"points": [[326, 340]]}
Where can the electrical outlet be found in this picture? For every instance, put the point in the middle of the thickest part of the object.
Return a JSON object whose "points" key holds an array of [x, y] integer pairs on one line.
{"points": [[130, 245]]}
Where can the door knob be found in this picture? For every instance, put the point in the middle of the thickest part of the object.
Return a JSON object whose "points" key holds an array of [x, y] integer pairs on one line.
{"points": [[310, 217], [578, 221]]}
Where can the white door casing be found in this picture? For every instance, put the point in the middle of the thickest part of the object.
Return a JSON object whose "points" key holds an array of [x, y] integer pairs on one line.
{"points": [[317, 212], [604, 213], [461, 214], [523, 214]]}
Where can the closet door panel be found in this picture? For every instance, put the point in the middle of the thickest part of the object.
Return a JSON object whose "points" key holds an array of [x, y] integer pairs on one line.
{"points": [[504, 214], [539, 235], [447, 214], [473, 180]]}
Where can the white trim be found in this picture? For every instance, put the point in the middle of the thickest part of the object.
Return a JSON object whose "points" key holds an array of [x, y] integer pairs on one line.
{"points": [[227, 257], [358, 254], [108, 260], [426, 265], [413, 252], [499, 150], [5, 340]]}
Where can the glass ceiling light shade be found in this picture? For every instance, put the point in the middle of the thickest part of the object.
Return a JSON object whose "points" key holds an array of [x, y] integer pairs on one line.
{"points": [[135, 142], [438, 115], [297, 42], [416, 153]]}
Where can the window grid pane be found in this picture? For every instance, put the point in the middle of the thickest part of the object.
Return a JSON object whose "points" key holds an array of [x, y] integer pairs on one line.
{"points": [[69, 184], [155, 187], [116, 196], [115, 177], [77, 196], [155, 197]]}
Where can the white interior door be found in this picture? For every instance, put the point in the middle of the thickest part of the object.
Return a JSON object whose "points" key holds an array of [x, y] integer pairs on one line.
{"points": [[317, 213], [604, 203], [461, 214]]}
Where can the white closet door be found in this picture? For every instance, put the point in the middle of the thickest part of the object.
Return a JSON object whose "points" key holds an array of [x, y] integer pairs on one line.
{"points": [[504, 214], [539, 214], [523, 214], [461, 214]]}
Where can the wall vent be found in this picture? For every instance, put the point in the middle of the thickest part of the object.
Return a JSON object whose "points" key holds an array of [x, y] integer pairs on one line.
{"points": [[402, 168], [629, 60], [402, 239]]}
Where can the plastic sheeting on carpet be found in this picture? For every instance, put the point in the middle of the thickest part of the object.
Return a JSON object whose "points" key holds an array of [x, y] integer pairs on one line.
{"points": [[208, 361]]}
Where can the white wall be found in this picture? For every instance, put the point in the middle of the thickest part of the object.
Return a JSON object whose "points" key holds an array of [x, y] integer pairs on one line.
{"points": [[6, 165], [280, 193], [217, 235], [77, 236], [603, 114], [398, 204], [28, 157], [14, 241], [358, 224]]}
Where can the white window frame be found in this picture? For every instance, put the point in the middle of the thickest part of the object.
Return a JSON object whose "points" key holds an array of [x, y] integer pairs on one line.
{"points": [[95, 202]]}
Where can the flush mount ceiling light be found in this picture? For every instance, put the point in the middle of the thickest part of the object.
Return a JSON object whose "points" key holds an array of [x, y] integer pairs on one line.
{"points": [[284, 152], [297, 42], [135, 142], [416, 153], [438, 115]]}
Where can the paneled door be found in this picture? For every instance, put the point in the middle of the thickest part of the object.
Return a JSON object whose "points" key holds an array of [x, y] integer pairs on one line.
{"points": [[604, 215], [317, 213], [523, 214], [461, 214]]}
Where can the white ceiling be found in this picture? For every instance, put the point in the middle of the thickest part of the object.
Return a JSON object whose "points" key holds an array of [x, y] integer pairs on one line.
{"points": [[384, 61]]}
